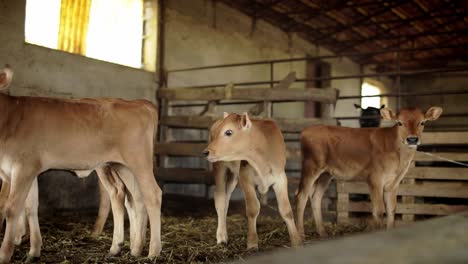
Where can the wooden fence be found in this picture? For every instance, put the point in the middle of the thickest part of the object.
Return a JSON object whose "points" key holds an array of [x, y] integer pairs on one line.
{"points": [[167, 147], [427, 189]]}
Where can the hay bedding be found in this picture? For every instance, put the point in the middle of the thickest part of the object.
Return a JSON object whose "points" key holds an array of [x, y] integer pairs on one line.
{"points": [[185, 239]]}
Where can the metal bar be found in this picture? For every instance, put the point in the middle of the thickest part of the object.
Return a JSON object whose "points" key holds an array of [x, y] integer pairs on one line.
{"points": [[455, 92], [359, 21], [350, 43], [386, 32], [346, 54], [393, 73], [394, 21], [454, 115], [314, 14]]}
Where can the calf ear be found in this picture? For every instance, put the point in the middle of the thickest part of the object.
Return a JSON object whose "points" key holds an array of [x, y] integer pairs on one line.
{"points": [[433, 113], [357, 106], [387, 114], [382, 107], [225, 114], [245, 121], [6, 75]]}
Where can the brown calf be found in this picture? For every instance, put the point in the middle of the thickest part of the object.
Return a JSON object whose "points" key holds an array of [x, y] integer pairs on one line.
{"points": [[254, 151], [39, 134], [379, 156]]}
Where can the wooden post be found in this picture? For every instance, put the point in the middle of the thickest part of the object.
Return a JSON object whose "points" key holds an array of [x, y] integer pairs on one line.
{"points": [[405, 199], [342, 204]]}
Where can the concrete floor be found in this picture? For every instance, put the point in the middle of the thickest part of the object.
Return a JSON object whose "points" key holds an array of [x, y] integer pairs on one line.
{"points": [[442, 240]]}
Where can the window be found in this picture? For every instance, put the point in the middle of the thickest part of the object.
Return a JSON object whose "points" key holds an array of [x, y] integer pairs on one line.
{"points": [[370, 89], [109, 30]]}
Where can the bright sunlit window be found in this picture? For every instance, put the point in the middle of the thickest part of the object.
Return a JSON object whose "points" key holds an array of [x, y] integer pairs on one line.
{"points": [[369, 89], [109, 30]]}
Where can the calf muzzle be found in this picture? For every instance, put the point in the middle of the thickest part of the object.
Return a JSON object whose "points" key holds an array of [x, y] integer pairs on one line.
{"points": [[205, 153], [412, 140]]}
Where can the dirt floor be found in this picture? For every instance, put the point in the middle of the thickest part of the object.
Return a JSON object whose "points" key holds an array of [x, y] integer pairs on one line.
{"points": [[188, 235]]}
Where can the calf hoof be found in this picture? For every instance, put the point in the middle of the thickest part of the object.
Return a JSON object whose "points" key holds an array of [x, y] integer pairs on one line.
{"points": [[297, 242], [252, 245], [221, 239], [32, 259], [18, 241], [114, 250], [322, 233], [95, 234], [154, 252], [136, 252]]}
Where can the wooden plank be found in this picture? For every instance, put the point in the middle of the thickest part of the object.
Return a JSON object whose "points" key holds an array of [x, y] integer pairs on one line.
{"points": [[184, 175], [418, 209], [180, 149], [405, 199], [437, 173], [205, 122], [448, 155], [429, 138], [265, 94], [195, 149], [441, 189]]}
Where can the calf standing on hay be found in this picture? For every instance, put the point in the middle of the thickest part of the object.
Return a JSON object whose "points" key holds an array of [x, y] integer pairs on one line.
{"points": [[39, 134], [379, 156], [256, 149]]}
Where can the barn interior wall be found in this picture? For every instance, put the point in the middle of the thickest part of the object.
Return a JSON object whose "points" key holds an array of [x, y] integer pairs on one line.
{"points": [[451, 103], [203, 32], [44, 72]]}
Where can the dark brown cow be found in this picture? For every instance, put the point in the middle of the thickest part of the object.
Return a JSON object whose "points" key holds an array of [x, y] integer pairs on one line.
{"points": [[39, 134], [379, 156]]}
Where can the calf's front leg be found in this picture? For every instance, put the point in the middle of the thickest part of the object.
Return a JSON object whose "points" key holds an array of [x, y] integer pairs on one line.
{"points": [[252, 207]]}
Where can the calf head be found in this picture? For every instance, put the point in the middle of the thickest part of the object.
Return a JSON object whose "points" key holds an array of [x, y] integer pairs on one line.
{"points": [[230, 138], [411, 122], [6, 74], [370, 117]]}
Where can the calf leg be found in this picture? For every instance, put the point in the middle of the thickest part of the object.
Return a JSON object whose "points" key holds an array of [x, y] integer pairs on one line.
{"points": [[223, 194], [31, 212], [378, 207], [20, 228], [252, 206], [152, 197], [114, 187], [310, 173], [104, 210], [22, 179], [136, 211], [321, 186], [219, 171], [3, 199], [390, 198], [281, 190]]}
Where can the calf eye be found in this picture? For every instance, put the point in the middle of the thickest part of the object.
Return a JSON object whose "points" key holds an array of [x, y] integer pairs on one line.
{"points": [[399, 123], [228, 133], [422, 123]]}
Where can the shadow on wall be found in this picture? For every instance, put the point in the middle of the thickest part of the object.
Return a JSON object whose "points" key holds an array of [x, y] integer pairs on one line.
{"points": [[64, 191]]}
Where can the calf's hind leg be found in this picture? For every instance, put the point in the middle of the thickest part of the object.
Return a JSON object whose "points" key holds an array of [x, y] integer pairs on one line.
{"points": [[104, 210], [116, 192], [320, 187], [281, 190], [310, 174]]}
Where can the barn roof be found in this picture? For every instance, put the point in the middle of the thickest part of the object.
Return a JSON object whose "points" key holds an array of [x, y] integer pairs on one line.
{"points": [[427, 33]]}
